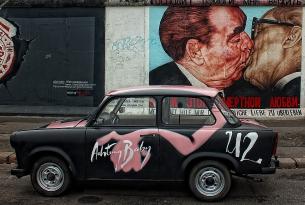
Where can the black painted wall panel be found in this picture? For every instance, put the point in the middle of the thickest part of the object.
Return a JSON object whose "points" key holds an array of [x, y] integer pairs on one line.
{"points": [[63, 63]]}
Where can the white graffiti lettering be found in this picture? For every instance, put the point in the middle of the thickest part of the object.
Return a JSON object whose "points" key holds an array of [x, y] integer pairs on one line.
{"points": [[125, 155], [127, 152], [252, 136]]}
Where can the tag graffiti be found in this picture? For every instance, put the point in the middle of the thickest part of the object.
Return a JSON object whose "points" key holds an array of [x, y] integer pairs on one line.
{"points": [[125, 155], [252, 136]]}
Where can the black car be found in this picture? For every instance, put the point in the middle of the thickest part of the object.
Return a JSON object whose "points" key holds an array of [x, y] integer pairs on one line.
{"points": [[163, 133]]}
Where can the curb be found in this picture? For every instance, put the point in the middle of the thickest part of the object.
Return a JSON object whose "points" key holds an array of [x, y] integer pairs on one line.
{"points": [[285, 163], [7, 157]]}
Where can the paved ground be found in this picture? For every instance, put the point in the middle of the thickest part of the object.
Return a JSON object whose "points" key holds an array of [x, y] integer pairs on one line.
{"points": [[284, 187]]}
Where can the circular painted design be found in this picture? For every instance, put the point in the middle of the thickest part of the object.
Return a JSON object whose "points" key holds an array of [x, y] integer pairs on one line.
{"points": [[7, 51]]}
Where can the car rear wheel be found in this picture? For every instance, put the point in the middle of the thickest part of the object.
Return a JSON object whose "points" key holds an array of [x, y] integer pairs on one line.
{"points": [[210, 180], [50, 176]]}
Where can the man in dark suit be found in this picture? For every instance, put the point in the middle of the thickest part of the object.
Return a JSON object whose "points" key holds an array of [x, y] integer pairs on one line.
{"points": [[208, 45], [168, 74]]}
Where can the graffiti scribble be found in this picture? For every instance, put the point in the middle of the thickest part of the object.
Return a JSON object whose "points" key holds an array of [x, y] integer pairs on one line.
{"points": [[127, 48]]}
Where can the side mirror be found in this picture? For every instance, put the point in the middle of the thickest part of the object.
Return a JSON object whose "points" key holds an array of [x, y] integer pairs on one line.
{"points": [[122, 110]]}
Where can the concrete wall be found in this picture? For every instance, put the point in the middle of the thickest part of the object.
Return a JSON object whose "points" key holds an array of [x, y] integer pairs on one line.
{"points": [[126, 47], [51, 57], [136, 50], [115, 46]]}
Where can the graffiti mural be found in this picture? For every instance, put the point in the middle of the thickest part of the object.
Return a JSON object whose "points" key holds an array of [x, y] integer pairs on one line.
{"points": [[12, 50], [206, 2], [251, 54], [7, 52], [276, 60]]}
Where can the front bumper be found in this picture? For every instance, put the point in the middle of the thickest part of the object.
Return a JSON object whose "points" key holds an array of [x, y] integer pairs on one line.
{"points": [[274, 163], [18, 172]]}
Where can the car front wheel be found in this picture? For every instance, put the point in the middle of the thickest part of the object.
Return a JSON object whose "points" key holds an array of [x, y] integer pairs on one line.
{"points": [[210, 180], [50, 176]]}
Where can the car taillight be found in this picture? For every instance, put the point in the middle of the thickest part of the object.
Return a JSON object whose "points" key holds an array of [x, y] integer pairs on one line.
{"points": [[276, 139]]}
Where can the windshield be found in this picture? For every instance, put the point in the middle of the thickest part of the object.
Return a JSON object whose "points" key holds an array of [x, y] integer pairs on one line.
{"points": [[228, 114]]}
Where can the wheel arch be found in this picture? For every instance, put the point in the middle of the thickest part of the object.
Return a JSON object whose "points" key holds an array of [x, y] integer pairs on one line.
{"points": [[39, 152], [193, 159]]}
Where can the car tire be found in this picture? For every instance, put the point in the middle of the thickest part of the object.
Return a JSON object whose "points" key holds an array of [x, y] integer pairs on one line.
{"points": [[50, 176], [210, 180]]}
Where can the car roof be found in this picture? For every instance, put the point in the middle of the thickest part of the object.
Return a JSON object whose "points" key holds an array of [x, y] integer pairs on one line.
{"points": [[164, 90]]}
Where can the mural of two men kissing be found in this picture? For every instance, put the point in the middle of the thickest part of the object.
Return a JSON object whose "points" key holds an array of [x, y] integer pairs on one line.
{"points": [[252, 54]]}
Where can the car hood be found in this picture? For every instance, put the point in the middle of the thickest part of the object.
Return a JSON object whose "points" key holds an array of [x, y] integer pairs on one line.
{"points": [[67, 123]]}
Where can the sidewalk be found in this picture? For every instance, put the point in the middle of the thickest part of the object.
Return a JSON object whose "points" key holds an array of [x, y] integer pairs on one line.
{"points": [[291, 146], [291, 157]]}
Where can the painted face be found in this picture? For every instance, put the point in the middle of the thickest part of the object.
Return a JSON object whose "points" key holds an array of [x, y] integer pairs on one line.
{"points": [[268, 54], [229, 49]]}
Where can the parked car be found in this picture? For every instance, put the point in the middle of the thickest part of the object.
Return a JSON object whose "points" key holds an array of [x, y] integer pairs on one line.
{"points": [[162, 133]]}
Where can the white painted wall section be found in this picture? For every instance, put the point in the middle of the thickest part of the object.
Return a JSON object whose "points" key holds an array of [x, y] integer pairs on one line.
{"points": [[125, 47]]}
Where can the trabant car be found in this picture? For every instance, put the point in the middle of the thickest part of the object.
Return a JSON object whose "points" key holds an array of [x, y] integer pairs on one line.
{"points": [[162, 133]]}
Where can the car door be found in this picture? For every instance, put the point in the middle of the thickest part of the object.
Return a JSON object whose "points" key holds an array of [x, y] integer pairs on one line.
{"points": [[186, 125], [123, 141]]}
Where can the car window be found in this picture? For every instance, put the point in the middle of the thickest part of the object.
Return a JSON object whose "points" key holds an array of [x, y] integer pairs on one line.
{"points": [[128, 111], [186, 111], [228, 114]]}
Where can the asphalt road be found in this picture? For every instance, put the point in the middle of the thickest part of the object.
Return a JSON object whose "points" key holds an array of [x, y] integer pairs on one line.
{"points": [[284, 187]]}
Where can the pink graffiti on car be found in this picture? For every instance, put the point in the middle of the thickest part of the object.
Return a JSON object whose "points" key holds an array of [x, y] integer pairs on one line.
{"points": [[126, 152]]}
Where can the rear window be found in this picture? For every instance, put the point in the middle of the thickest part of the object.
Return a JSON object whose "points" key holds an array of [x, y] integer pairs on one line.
{"points": [[186, 111], [227, 113]]}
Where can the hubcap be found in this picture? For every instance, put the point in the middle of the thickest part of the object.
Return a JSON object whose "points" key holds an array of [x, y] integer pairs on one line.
{"points": [[209, 181], [50, 176]]}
